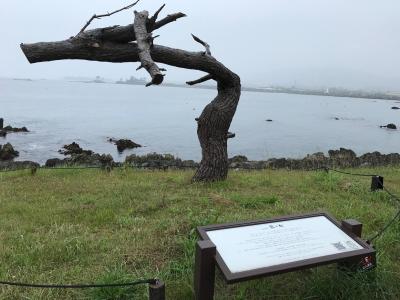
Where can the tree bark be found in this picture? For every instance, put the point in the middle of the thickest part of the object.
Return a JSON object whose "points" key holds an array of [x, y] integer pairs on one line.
{"points": [[114, 44], [212, 131], [144, 42]]}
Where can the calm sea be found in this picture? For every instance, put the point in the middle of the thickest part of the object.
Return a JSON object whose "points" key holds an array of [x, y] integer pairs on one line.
{"points": [[163, 120]]}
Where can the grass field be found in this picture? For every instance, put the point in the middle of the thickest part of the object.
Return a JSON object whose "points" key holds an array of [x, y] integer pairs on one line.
{"points": [[74, 226]]}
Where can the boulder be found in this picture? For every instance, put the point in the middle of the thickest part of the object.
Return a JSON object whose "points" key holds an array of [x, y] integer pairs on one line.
{"points": [[83, 159], [156, 161], [344, 158], [342, 153], [278, 163], [389, 126], [238, 159], [15, 129], [74, 148], [93, 160], [55, 162], [18, 165], [80, 157], [395, 107], [7, 152], [124, 144]]}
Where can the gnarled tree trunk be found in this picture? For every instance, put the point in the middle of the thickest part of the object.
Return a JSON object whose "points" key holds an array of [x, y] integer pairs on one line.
{"points": [[116, 44]]}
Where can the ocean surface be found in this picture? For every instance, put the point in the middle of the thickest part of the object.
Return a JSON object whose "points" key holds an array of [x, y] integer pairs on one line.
{"points": [[162, 119]]}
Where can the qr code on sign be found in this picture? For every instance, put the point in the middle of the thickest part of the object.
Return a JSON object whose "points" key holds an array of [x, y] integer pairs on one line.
{"points": [[339, 246]]}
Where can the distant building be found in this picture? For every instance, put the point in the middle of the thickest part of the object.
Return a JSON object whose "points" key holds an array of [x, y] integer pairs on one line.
{"points": [[132, 80]]}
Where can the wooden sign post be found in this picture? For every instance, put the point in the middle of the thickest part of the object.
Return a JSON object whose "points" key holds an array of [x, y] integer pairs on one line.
{"points": [[255, 249]]}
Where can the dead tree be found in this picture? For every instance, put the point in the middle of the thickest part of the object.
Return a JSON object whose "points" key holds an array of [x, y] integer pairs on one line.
{"points": [[134, 43]]}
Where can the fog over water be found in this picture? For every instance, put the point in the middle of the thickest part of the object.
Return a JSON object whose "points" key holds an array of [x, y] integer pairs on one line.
{"points": [[308, 43]]}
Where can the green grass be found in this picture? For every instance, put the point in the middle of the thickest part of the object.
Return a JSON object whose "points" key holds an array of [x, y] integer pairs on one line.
{"points": [[67, 226]]}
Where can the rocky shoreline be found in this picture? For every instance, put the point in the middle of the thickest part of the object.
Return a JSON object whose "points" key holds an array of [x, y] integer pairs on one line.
{"points": [[78, 157]]}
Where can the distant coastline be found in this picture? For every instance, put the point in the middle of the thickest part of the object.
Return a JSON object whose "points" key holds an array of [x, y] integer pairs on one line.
{"points": [[331, 92]]}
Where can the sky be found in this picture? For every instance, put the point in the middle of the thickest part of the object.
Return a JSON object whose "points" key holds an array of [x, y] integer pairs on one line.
{"points": [[304, 43]]}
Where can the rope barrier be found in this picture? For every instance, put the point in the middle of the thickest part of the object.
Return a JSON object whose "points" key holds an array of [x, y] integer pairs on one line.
{"points": [[105, 167], [397, 215], [78, 286]]}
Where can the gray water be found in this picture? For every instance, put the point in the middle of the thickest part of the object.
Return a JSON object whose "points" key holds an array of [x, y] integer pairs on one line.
{"points": [[163, 120]]}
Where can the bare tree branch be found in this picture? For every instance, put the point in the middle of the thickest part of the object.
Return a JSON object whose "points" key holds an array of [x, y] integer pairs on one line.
{"points": [[124, 34], [230, 135], [145, 43], [200, 80], [129, 52], [153, 19], [168, 19], [106, 15], [207, 46]]}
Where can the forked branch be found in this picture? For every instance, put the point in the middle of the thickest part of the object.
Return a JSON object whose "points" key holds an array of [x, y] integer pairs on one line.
{"points": [[207, 46], [153, 19], [106, 15]]}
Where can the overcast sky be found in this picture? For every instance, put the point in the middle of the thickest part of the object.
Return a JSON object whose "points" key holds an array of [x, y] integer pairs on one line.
{"points": [[349, 43]]}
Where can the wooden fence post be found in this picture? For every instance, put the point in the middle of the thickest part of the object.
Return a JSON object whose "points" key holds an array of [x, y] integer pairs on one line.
{"points": [[204, 273], [157, 291], [355, 227], [352, 226], [377, 183]]}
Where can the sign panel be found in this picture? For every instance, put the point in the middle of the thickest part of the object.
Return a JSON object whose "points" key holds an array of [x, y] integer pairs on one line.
{"points": [[274, 246], [264, 245]]}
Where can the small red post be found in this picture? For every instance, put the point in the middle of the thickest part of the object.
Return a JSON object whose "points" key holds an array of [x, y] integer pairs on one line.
{"points": [[204, 273]]}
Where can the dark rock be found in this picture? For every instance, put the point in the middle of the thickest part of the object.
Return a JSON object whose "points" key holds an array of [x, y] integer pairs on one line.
{"points": [[18, 165], [74, 148], [278, 163], [14, 129], [342, 153], [3, 133], [55, 162], [80, 157], [156, 161], [395, 107], [7, 152], [124, 144], [1, 123], [344, 158], [269, 120], [189, 164], [336, 118], [238, 158], [390, 126], [94, 160]]}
